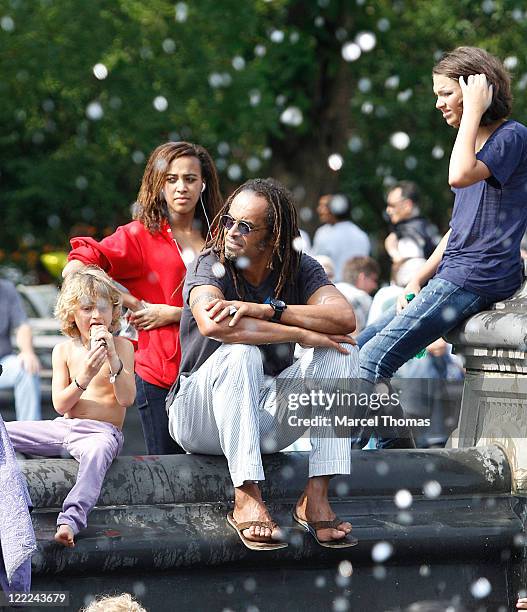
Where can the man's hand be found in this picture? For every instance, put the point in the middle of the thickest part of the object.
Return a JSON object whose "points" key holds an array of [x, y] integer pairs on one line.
{"points": [[477, 93], [30, 362], [155, 315], [220, 309], [310, 339], [412, 287]]}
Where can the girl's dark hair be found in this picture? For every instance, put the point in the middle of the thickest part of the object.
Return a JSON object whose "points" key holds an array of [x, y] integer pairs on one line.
{"points": [[464, 61], [151, 208], [282, 225]]}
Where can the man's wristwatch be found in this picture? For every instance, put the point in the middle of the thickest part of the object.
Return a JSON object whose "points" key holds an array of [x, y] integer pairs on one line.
{"points": [[278, 306]]}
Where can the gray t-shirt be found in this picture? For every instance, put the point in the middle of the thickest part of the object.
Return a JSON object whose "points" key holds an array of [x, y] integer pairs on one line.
{"points": [[12, 314], [196, 349]]}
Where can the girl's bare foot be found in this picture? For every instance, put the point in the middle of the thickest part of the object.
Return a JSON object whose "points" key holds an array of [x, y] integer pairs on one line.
{"points": [[64, 536]]}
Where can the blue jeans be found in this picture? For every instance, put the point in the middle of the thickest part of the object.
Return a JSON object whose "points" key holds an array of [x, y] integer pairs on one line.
{"points": [[396, 338], [26, 388], [150, 400]]}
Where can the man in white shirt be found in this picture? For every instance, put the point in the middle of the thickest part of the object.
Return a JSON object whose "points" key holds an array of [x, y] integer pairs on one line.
{"points": [[338, 237]]}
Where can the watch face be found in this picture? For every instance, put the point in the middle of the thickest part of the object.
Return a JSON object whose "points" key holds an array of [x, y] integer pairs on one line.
{"points": [[278, 304]]}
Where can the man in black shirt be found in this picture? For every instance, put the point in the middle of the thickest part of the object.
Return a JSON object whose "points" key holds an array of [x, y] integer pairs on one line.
{"points": [[248, 298], [411, 235]]}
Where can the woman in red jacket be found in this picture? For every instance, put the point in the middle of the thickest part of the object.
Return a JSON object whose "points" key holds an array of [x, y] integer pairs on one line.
{"points": [[178, 199]]}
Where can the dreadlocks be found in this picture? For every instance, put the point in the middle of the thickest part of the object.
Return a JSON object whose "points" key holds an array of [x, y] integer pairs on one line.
{"points": [[283, 229]]}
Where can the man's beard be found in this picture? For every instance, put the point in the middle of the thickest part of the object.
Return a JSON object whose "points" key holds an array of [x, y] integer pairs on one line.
{"points": [[230, 255]]}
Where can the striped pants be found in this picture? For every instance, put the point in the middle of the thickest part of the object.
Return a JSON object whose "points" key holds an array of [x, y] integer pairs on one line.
{"points": [[228, 408]]}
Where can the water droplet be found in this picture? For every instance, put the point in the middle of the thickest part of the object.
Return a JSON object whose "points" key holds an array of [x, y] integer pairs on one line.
{"points": [[81, 182], [215, 80], [335, 161], [253, 164], [242, 263], [181, 12], [48, 105], [367, 108], [488, 6], [160, 103], [381, 551], [403, 499], [260, 50], [139, 589], [480, 588], [411, 162], [238, 63], [249, 585], [292, 115], [7, 23], [382, 468], [345, 569], [138, 157], [432, 489], [298, 244], [383, 25], [266, 153], [294, 37], [94, 111], [400, 140], [425, 571], [218, 269], [355, 144], [277, 36], [404, 96], [510, 62], [366, 41], [340, 604], [320, 582], [100, 71], [255, 97], [169, 45], [319, 21], [392, 82], [351, 51], [364, 84], [234, 172], [379, 572], [438, 152]]}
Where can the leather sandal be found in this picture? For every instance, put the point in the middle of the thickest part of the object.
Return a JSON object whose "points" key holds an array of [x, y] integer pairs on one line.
{"points": [[267, 544], [312, 529]]}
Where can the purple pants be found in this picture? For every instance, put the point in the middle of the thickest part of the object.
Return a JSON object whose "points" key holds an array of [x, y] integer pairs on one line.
{"points": [[94, 444]]}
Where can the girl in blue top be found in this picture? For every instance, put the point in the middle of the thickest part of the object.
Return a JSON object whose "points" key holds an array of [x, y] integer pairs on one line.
{"points": [[478, 260]]}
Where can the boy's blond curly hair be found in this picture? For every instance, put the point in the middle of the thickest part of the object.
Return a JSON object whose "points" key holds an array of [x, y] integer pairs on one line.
{"points": [[117, 603], [89, 282]]}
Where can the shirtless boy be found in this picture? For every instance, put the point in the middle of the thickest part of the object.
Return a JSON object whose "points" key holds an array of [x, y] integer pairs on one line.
{"points": [[93, 384]]}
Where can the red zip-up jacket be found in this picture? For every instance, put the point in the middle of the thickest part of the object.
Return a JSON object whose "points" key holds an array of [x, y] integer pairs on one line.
{"points": [[151, 268]]}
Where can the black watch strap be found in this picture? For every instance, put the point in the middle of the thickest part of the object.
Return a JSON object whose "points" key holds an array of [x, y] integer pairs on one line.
{"points": [[278, 306]]}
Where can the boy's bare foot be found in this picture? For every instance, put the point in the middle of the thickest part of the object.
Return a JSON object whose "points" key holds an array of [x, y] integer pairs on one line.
{"points": [[249, 506], [313, 506], [64, 536]]}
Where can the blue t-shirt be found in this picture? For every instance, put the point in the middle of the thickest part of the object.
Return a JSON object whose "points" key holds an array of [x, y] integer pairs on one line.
{"points": [[489, 219]]}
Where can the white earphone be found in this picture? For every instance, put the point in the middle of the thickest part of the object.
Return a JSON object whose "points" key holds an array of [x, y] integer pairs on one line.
{"points": [[203, 185]]}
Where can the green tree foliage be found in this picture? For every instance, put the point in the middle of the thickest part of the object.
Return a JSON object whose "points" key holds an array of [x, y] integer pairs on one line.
{"points": [[88, 89]]}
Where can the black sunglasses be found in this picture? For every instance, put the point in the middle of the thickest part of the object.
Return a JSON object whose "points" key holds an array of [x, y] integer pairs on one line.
{"points": [[244, 228]]}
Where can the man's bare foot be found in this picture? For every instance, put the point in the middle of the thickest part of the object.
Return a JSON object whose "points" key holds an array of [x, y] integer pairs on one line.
{"points": [[249, 506], [313, 506], [64, 536]]}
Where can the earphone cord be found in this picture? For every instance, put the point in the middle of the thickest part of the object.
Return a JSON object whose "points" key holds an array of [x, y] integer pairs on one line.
{"points": [[209, 233]]}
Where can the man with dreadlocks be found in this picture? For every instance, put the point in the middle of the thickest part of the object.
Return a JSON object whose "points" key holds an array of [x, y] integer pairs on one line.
{"points": [[248, 299]]}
